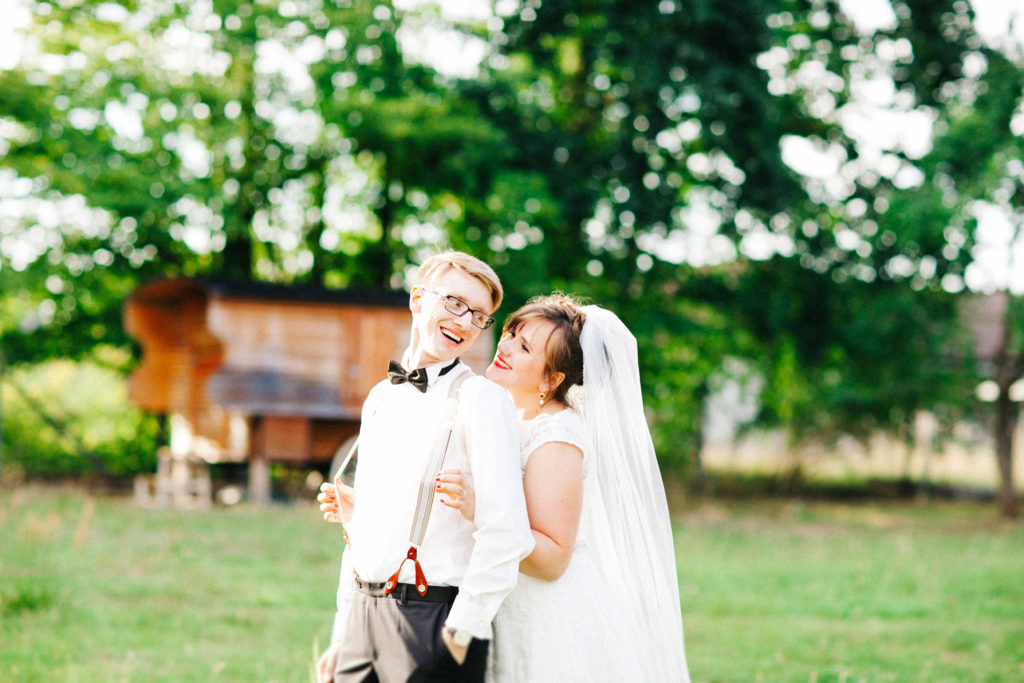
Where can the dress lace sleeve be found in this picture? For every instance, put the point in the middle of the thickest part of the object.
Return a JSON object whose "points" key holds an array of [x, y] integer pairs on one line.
{"points": [[564, 426]]}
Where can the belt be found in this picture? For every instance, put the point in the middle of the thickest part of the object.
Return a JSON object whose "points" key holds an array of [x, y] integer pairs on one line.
{"points": [[407, 592]]}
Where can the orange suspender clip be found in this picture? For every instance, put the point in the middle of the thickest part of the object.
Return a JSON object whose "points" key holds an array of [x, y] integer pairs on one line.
{"points": [[421, 579]]}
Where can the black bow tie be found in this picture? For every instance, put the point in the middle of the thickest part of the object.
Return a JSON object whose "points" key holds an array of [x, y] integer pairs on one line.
{"points": [[399, 375], [418, 377]]}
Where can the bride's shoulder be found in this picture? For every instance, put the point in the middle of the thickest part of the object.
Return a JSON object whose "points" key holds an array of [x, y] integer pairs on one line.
{"points": [[567, 418], [564, 426]]}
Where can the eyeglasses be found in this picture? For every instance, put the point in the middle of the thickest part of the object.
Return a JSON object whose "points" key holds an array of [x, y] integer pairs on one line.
{"points": [[457, 306]]}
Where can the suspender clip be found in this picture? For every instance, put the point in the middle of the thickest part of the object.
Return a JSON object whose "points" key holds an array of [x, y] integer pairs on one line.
{"points": [[421, 578]]}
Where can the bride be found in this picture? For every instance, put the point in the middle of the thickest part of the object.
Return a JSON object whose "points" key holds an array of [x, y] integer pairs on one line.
{"points": [[598, 598]]}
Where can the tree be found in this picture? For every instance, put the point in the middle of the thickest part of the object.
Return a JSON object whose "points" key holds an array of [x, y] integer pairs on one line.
{"points": [[1006, 370], [632, 123], [279, 142], [976, 161], [861, 328], [251, 141], [638, 154], [857, 357], [659, 131]]}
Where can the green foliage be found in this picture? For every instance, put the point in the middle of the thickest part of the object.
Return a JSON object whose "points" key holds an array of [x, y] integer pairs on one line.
{"points": [[937, 61], [830, 356], [14, 601], [690, 342], [620, 115], [198, 154], [594, 99], [627, 152], [63, 418]]}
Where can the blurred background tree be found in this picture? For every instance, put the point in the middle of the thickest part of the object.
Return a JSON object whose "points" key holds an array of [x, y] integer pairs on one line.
{"points": [[976, 162], [662, 132], [752, 185]]}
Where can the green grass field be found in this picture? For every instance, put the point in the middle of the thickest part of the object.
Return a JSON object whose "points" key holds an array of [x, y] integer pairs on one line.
{"points": [[96, 589]]}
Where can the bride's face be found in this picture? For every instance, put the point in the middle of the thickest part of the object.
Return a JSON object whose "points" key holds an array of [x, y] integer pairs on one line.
{"points": [[520, 359]]}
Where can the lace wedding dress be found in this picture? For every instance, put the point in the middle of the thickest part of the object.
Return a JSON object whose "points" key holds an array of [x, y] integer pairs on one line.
{"points": [[565, 630], [615, 613]]}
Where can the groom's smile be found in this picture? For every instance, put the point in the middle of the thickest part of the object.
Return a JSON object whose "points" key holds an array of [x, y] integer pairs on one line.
{"points": [[455, 338]]}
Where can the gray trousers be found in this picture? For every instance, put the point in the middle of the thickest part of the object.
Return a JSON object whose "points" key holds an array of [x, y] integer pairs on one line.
{"points": [[392, 642]]}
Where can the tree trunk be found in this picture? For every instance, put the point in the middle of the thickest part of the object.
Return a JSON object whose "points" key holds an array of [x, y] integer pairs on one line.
{"points": [[699, 476], [1006, 426], [1, 410], [1010, 370]]}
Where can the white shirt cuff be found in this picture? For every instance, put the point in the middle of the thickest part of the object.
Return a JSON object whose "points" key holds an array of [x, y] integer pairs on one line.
{"points": [[467, 616]]}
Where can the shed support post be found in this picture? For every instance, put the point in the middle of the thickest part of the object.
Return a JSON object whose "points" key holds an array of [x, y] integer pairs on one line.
{"points": [[259, 481]]}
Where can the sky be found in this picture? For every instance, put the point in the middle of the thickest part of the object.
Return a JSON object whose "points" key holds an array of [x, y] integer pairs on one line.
{"points": [[997, 265]]}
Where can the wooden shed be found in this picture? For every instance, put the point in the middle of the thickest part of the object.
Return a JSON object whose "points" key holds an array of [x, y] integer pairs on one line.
{"points": [[259, 373]]}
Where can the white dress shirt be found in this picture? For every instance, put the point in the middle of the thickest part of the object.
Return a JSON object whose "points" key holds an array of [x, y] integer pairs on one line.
{"points": [[395, 439]]}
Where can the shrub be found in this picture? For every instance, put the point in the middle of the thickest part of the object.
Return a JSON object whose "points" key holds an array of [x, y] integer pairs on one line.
{"points": [[64, 418]]}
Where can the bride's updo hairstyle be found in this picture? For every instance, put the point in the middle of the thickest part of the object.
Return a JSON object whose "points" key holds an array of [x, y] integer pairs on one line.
{"points": [[563, 350]]}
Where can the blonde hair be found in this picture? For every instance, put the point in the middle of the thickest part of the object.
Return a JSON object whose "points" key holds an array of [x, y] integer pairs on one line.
{"points": [[563, 352], [439, 264]]}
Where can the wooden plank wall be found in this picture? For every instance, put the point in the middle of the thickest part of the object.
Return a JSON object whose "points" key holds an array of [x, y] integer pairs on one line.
{"points": [[324, 345], [291, 374]]}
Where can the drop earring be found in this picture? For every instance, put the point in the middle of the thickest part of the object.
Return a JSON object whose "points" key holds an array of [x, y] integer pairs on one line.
{"points": [[542, 399]]}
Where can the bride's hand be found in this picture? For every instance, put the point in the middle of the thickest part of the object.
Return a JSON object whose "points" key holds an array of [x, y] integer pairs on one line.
{"points": [[334, 509], [457, 492]]}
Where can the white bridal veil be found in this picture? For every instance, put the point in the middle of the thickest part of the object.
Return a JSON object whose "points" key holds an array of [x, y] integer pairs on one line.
{"points": [[629, 528]]}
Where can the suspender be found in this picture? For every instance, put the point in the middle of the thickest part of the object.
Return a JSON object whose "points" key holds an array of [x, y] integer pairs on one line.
{"points": [[425, 499]]}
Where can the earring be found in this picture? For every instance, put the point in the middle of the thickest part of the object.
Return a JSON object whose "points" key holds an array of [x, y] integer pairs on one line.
{"points": [[542, 399]]}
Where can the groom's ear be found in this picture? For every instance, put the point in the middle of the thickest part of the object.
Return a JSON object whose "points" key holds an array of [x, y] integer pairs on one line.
{"points": [[416, 299]]}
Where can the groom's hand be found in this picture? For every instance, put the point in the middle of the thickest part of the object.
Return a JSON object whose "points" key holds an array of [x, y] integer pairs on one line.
{"points": [[325, 667], [458, 652]]}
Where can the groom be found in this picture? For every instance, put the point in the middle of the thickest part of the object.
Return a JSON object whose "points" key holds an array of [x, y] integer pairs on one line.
{"points": [[442, 634]]}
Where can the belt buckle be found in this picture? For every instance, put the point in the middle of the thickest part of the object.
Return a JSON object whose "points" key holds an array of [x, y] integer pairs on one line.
{"points": [[368, 587]]}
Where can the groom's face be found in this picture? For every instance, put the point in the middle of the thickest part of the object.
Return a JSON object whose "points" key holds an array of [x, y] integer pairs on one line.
{"points": [[442, 334]]}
